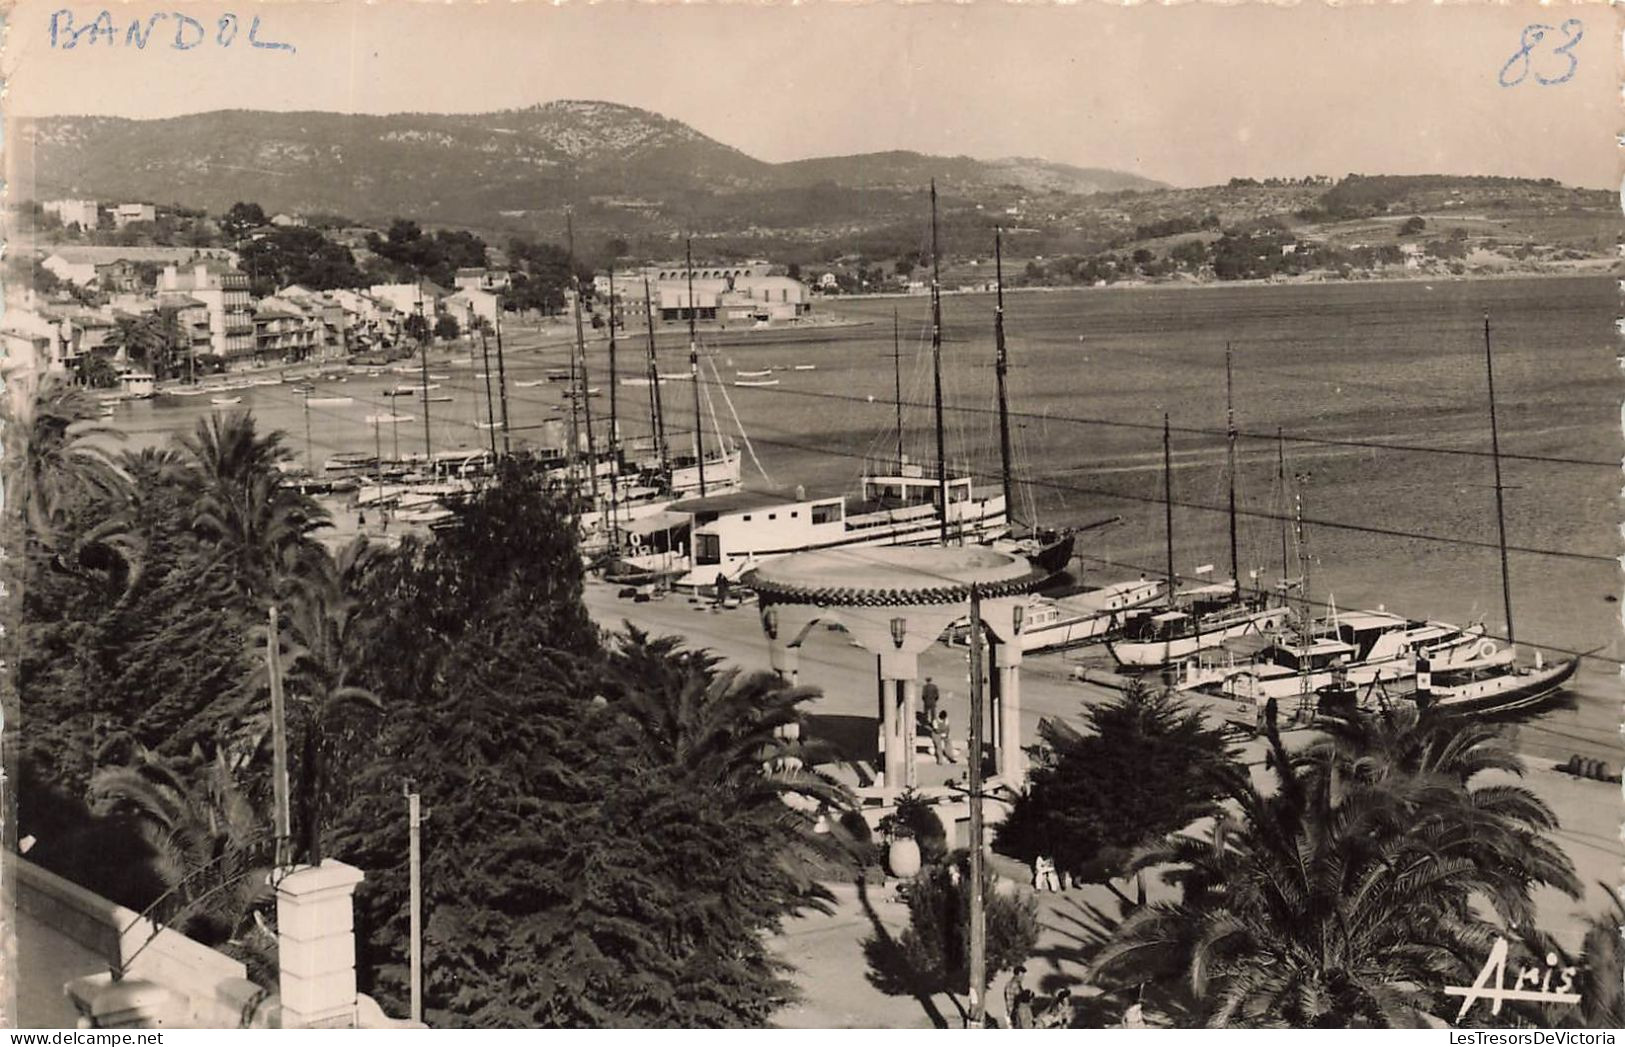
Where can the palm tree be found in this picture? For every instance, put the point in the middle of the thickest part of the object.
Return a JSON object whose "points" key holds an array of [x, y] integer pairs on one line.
{"points": [[64, 460], [208, 844], [736, 737], [261, 527], [321, 657], [1432, 760], [720, 727], [1337, 900]]}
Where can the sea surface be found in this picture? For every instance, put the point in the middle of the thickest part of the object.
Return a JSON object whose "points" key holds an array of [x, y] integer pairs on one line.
{"points": [[1345, 371]]}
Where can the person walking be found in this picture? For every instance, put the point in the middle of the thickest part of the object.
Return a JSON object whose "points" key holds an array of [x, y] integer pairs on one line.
{"points": [[1022, 1016], [929, 697], [1012, 993], [941, 741]]}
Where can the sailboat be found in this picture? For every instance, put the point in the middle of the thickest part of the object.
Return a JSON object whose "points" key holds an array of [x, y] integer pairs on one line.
{"points": [[1197, 618], [1049, 550], [1497, 683], [899, 501]]}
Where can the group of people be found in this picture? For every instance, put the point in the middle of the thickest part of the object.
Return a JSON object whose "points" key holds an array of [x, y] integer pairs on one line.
{"points": [[1020, 1006], [1046, 878]]}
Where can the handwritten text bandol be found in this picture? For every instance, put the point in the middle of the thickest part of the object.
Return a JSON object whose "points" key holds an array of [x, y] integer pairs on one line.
{"points": [[69, 33]]}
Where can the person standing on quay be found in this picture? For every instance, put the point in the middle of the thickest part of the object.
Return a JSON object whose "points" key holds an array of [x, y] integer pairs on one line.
{"points": [[929, 697], [1012, 993]]}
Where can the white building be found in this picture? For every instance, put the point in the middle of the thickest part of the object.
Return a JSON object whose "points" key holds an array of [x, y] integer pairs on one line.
{"points": [[482, 304], [224, 290], [124, 214], [83, 213]]}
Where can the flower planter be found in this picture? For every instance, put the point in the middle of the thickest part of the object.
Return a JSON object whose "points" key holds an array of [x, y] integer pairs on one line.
{"points": [[903, 857]]}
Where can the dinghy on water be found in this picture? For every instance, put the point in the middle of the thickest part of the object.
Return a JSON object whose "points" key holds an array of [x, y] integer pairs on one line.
{"points": [[759, 384]]}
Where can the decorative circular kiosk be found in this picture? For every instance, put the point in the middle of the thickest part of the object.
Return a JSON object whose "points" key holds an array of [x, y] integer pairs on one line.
{"points": [[895, 602]]}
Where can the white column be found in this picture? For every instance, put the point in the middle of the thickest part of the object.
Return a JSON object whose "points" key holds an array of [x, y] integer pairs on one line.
{"points": [[315, 923], [896, 732], [908, 710], [1012, 761]]}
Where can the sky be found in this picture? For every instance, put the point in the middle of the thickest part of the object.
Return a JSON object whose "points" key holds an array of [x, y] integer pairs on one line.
{"points": [[1191, 94]]}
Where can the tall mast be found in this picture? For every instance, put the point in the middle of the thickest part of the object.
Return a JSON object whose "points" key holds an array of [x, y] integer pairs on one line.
{"points": [[1000, 368], [1230, 435], [423, 360], [657, 418], [1280, 477], [897, 378], [490, 405], [936, 367], [581, 348], [1500, 508], [1168, 505], [502, 382], [694, 367], [614, 422]]}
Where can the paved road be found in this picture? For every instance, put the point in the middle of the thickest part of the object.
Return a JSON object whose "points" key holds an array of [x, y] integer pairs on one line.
{"points": [[1589, 811]]}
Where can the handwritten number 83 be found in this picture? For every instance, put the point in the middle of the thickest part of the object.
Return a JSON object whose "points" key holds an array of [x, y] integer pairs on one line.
{"points": [[1520, 65]]}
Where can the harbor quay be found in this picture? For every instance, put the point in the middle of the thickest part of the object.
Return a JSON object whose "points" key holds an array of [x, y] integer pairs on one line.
{"points": [[844, 672]]}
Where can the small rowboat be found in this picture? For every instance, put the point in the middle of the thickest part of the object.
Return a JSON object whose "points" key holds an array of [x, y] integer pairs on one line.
{"points": [[806, 367], [532, 383], [755, 374], [387, 419], [225, 401], [770, 381]]}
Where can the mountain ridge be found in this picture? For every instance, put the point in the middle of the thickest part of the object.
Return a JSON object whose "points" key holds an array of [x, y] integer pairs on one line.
{"points": [[646, 169]]}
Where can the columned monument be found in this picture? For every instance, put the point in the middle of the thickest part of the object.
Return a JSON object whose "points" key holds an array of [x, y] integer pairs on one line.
{"points": [[895, 602]]}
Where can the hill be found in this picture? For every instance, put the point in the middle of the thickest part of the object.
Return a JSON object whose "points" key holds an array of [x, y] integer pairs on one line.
{"points": [[635, 172]]}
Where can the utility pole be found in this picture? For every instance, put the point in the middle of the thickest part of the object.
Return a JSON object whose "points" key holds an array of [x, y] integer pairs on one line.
{"points": [[694, 368], [502, 383], [414, 819], [978, 913], [279, 744]]}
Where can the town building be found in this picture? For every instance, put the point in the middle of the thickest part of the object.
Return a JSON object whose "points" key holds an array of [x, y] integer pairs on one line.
{"points": [[223, 288], [31, 331], [283, 331], [190, 316], [482, 304], [84, 266], [288, 221], [493, 281], [128, 214], [83, 213], [731, 299], [406, 297]]}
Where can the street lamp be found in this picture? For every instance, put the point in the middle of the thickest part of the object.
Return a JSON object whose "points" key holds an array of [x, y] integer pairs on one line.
{"points": [[770, 622], [899, 628], [1017, 616]]}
